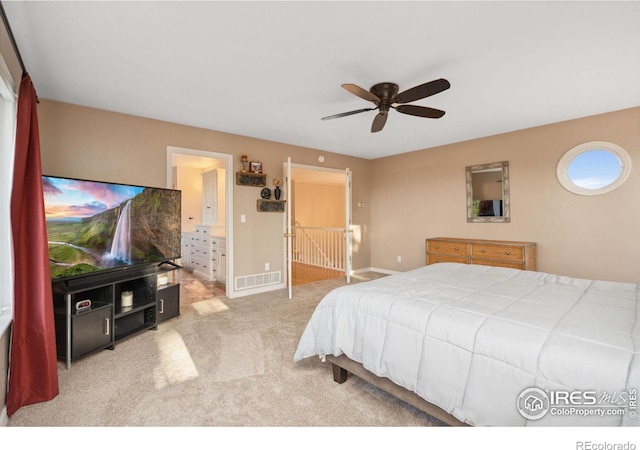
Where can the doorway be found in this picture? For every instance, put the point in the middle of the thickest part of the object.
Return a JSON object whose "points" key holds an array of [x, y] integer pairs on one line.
{"points": [[204, 179], [319, 250]]}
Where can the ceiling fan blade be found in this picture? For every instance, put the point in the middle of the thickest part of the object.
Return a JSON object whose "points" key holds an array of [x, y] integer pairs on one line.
{"points": [[422, 91], [379, 121], [362, 93], [349, 113], [420, 111]]}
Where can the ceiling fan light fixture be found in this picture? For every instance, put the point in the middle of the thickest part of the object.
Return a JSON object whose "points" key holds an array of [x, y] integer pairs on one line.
{"points": [[385, 95]]}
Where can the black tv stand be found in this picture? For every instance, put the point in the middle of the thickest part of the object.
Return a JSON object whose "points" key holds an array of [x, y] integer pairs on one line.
{"points": [[105, 320]]}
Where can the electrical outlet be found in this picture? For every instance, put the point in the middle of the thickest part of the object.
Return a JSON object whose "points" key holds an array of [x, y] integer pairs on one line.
{"points": [[399, 258], [266, 266]]}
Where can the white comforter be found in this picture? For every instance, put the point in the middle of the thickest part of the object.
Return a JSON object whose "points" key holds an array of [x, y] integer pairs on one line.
{"points": [[471, 338]]}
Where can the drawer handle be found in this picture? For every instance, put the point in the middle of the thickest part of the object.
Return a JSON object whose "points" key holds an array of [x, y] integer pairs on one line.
{"points": [[107, 327], [437, 247], [161, 306], [437, 260], [455, 248], [483, 251], [508, 252]]}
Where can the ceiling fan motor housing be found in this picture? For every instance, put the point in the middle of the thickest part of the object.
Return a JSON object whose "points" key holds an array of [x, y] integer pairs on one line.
{"points": [[386, 92]]}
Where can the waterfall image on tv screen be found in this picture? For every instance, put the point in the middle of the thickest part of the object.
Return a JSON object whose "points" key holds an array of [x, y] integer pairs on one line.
{"points": [[93, 226]]}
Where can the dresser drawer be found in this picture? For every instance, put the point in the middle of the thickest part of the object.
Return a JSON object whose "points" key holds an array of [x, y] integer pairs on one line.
{"points": [[433, 258], [202, 229], [201, 264], [498, 263], [198, 251], [447, 248], [217, 242], [508, 252]]}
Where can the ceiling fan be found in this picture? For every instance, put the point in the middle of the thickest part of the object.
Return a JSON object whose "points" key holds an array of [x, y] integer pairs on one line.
{"points": [[385, 96]]}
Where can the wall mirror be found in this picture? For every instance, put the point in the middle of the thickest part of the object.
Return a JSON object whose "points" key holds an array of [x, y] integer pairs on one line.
{"points": [[488, 192]]}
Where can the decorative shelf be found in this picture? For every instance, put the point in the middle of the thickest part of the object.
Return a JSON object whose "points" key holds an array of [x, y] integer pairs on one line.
{"points": [[270, 205], [251, 179]]}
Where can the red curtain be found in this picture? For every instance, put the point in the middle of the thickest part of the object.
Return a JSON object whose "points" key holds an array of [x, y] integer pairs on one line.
{"points": [[33, 372]]}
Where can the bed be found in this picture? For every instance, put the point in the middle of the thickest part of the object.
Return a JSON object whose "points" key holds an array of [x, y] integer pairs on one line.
{"points": [[488, 346]]}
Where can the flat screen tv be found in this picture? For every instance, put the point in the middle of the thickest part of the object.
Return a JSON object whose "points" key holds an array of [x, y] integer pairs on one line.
{"points": [[95, 226]]}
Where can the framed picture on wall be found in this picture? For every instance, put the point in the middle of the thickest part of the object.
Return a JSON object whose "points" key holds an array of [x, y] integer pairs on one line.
{"points": [[256, 167]]}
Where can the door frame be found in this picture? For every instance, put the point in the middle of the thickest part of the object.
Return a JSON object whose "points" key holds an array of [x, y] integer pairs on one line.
{"points": [[286, 226], [228, 165]]}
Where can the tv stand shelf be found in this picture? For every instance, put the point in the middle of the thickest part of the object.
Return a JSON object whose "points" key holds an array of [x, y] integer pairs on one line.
{"points": [[83, 331]]}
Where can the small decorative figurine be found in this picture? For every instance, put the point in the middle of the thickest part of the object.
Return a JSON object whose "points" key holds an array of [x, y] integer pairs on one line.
{"points": [[276, 191]]}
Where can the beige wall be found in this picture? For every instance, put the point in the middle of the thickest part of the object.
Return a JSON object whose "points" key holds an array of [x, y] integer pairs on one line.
{"points": [[189, 181], [319, 205], [591, 237], [89, 143], [581, 236]]}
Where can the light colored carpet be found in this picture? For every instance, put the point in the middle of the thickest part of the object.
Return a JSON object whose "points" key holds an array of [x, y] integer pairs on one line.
{"points": [[223, 363]]}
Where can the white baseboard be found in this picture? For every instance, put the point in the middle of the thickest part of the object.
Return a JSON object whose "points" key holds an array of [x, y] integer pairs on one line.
{"points": [[258, 290], [375, 269], [4, 418]]}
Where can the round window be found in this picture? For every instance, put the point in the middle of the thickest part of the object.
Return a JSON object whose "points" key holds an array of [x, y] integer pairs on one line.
{"points": [[594, 168]]}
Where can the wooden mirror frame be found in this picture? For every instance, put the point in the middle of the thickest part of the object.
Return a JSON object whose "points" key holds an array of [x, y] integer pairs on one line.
{"points": [[502, 166]]}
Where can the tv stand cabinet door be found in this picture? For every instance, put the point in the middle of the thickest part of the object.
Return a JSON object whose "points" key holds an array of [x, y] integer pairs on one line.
{"points": [[91, 331], [168, 302]]}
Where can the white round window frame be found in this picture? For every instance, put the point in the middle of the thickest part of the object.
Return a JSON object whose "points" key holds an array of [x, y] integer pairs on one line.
{"points": [[562, 170]]}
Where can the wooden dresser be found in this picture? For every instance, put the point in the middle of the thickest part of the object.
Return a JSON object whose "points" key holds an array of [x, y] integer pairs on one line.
{"points": [[513, 254]]}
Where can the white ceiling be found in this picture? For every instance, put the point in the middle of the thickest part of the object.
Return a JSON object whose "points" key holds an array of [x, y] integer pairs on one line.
{"points": [[271, 70]]}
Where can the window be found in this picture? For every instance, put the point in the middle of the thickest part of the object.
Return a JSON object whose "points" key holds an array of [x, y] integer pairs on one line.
{"points": [[594, 168], [7, 149]]}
